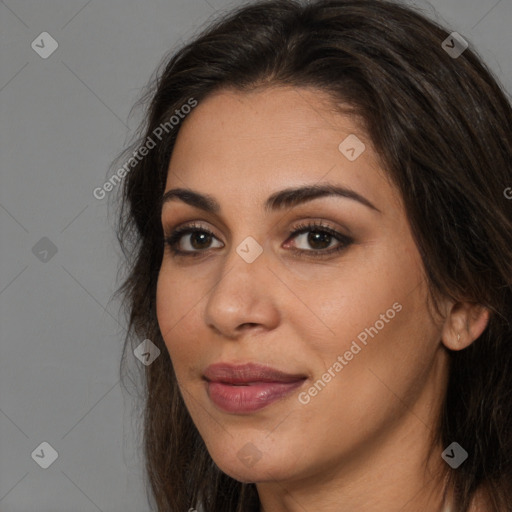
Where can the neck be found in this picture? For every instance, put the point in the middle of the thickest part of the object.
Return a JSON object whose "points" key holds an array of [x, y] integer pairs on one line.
{"points": [[382, 481], [395, 468]]}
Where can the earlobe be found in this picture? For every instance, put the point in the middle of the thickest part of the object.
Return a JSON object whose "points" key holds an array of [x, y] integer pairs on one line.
{"points": [[464, 323]]}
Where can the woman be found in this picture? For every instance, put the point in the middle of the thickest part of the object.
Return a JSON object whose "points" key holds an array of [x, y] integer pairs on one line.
{"points": [[320, 241]]}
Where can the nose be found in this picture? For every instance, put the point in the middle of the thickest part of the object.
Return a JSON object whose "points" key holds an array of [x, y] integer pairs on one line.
{"points": [[243, 298]]}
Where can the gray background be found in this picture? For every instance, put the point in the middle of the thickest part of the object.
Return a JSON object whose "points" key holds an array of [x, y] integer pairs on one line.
{"points": [[64, 119]]}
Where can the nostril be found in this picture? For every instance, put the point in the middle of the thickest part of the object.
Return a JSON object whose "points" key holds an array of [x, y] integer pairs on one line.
{"points": [[248, 324]]}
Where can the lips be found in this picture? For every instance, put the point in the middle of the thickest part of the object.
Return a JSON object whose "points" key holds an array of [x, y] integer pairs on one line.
{"points": [[247, 373], [248, 387]]}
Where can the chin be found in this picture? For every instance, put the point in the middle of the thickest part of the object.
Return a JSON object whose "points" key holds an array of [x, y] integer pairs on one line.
{"points": [[249, 465], [256, 474], [243, 475]]}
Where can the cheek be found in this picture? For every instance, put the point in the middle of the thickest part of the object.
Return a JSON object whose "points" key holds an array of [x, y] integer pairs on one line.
{"points": [[387, 343], [362, 300], [378, 321], [175, 301], [166, 303]]}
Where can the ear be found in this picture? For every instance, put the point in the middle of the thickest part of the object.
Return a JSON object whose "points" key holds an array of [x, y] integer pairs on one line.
{"points": [[464, 323]]}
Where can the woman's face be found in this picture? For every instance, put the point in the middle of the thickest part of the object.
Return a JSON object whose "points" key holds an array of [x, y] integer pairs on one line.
{"points": [[362, 370]]}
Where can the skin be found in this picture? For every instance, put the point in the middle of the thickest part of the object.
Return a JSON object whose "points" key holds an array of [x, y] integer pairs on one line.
{"points": [[362, 442]]}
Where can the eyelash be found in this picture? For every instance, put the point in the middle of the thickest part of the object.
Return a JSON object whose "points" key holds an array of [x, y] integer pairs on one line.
{"points": [[172, 240]]}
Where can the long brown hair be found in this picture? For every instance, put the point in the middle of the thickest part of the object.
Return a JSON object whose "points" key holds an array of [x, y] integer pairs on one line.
{"points": [[442, 126]]}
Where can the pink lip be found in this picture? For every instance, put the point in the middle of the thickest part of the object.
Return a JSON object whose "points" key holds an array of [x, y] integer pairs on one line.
{"points": [[248, 387]]}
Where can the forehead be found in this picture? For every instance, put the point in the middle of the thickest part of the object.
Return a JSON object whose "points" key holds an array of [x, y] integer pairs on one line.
{"points": [[270, 139], [284, 120]]}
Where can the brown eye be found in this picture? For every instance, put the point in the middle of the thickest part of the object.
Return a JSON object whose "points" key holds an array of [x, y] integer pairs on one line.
{"points": [[200, 239], [190, 240], [195, 240], [318, 240]]}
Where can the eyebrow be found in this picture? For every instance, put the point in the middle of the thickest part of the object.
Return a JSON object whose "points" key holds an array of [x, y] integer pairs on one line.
{"points": [[286, 198]]}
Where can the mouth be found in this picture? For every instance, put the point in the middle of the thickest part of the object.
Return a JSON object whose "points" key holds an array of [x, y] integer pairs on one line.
{"points": [[245, 374], [242, 389]]}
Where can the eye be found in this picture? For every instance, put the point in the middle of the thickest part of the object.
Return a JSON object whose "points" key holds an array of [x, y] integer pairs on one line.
{"points": [[320, 238], [197, 240]]}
